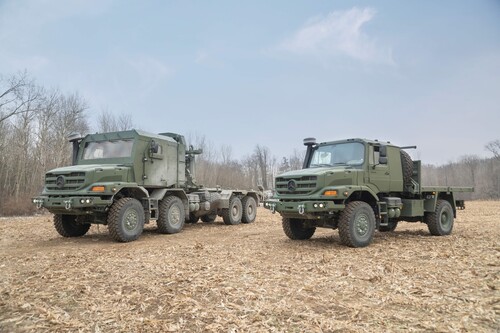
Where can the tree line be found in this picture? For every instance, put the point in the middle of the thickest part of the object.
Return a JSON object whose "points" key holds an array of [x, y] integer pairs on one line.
{"points": [[35, 123], [470, 170]]}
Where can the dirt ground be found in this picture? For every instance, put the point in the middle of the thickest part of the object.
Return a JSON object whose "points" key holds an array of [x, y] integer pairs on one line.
{"points": [[251, 278]]}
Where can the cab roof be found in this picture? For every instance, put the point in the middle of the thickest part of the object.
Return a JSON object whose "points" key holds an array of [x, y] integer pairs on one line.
{"points": [[130, 134], [374, 142]]}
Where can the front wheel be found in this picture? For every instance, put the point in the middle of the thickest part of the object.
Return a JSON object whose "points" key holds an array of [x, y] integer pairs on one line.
{"points": [[126, 220], [440, 222], [69, 226], [232, 215], [172, 215], [295, 229], [357, 224]]}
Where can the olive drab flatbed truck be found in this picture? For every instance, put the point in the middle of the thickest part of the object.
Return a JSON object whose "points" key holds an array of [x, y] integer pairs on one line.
{"points": [[128, 178], [358, 186]]}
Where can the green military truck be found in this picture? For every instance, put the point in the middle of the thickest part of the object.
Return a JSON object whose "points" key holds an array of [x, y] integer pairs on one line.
{"points": [[358, 186], [128, 178]]}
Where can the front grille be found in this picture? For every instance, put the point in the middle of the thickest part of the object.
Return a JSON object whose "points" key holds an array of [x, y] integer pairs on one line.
{"points": [[72, 181], [296, 185]]}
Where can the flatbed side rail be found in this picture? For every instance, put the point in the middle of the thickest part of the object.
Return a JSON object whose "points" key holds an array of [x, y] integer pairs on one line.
{"points": [[447, 189]]}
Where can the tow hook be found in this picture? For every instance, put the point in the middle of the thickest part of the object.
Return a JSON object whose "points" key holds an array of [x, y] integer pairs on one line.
{"points": [[38, 203], [301, 209], [272, 208], [67, 204]]}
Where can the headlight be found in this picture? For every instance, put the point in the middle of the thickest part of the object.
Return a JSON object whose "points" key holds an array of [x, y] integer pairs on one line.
{"points": [[85, 201]]}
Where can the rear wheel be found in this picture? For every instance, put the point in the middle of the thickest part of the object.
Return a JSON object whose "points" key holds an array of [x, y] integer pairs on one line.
{"points": [[232, 215], [126, 220], [440, 222], [357, 224], [249, 209], [295, 229], [172, 215], [69, 226]]}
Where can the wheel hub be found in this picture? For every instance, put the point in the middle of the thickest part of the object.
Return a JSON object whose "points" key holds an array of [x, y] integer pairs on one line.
{"points": [[361, 224], [131, 219], [175, 215], [444, 219]]}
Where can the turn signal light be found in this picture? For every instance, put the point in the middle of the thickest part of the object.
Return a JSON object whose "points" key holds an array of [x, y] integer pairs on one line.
{"points": [[98, 189], [330, 193]]}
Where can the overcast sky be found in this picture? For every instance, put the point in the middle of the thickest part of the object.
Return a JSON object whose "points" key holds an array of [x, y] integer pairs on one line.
{"points": [[423, 73]]}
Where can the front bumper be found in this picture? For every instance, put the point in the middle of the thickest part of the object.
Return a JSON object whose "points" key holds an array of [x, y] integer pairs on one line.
{"points": [[72, 204], [310, 209]]}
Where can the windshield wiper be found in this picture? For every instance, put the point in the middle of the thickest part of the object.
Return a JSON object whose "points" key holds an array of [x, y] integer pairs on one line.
{"points": [[320, 165]]}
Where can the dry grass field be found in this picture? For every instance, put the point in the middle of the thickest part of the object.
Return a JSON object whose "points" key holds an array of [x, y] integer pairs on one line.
{"points": [[251, 278]]}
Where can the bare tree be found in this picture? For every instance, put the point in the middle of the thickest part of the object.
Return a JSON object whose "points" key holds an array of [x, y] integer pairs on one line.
{"points": [[494, 148], [263, 158], [293, 162], [124, 122], [297, 159], [471, 162], [18, 95], [225, 153], [108, 122]]}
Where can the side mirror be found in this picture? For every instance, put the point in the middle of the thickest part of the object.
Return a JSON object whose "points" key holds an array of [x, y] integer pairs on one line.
{"points": [[382, 160], [383, 153], [154, 147]]}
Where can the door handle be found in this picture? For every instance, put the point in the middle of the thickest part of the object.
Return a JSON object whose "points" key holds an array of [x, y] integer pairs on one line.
{"points": [[387, 173]]}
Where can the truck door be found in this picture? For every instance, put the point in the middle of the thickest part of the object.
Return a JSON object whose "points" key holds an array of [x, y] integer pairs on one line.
{"points": [[379, 175], [155, 165]]}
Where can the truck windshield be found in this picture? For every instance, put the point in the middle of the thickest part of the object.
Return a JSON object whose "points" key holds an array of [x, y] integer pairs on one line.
{"points": [[107, 149], [351, 153]]}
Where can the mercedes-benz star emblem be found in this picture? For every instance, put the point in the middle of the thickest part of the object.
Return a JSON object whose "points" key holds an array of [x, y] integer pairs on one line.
{"points": [[292, 185], [60, 182]]}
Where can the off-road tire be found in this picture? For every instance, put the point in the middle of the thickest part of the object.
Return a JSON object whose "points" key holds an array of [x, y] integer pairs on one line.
{"points": [[232, 215], [295, 229], [389, 228], [357, 224], [192, 218], [249, 209], [126, 220], [440, 222], [407, 166], [68, 226], [172, 215], [209, 218]]}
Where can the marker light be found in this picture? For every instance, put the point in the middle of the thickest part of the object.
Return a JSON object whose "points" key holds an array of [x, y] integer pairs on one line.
{"points": [[331, 193], [97, 189]]}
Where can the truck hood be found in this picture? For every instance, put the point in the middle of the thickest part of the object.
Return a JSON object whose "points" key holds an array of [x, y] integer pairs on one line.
{"points": [[312, 171], [85, 168], [308, 181], [78, 177]]}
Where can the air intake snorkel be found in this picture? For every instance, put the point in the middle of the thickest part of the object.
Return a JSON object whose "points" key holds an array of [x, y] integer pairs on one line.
{"points": [[75, 139], [310, 143]]}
